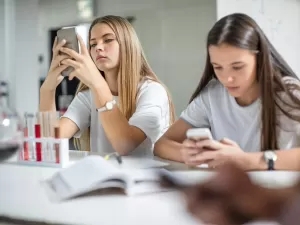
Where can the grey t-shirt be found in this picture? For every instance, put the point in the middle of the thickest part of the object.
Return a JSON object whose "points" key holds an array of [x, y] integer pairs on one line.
{"points": [[152, 116], [217, 110]]}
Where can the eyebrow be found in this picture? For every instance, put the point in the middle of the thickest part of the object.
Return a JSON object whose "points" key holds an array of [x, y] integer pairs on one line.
{"points": [[105, 35], [234, 63]]}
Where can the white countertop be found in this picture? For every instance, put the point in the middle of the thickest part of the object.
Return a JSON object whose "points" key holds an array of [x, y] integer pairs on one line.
{"points": [[22, 196]]}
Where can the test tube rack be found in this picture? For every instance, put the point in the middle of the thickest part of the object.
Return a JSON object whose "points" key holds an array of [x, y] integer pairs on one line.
{"points": [[54, 152]]}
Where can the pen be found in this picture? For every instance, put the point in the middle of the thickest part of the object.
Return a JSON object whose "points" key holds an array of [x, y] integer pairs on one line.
{"points": [[116, 155]]}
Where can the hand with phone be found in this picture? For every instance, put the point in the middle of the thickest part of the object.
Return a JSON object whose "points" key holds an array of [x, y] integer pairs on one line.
{"points": [[200, 148], [54, 77], [86, 71]]}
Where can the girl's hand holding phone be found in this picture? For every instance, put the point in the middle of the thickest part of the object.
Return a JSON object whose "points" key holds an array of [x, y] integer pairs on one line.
{"points": [[202, 149], [84, 67], [54, 77]]}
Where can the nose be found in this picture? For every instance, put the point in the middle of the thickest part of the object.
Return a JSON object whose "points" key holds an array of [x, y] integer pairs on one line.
{"points": [[99, 47], [230, 79]]}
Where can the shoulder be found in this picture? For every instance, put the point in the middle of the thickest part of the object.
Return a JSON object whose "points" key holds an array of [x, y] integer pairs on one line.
{"points": [[151, 88], [149, 84], [85, 93], [84, 96]]}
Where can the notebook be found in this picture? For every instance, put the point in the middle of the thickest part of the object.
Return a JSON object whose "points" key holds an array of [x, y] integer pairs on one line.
{"points": [[94, 173]]}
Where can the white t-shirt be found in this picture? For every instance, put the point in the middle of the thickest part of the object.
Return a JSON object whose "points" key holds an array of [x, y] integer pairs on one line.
{"points": [[217, 110], [152, 116]]}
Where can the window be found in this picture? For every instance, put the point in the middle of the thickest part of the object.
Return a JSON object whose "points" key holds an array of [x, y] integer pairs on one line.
{"points": [[85, 9]]}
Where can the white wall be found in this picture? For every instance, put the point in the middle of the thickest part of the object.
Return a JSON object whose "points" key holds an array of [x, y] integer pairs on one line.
{"points": [[7, 38], [25, 61], [18, 55], [280, 20], [2, 38]]}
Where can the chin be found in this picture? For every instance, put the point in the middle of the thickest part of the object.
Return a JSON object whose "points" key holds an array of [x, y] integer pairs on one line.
{"points": [[103, 67], [235, 94]]}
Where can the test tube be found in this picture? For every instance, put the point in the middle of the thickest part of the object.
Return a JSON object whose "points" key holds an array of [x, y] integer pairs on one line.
{"points": [[38, 145], [45, 134], [30, 121], [57, 136], [51, 132], [25, 153], [56, 145]]}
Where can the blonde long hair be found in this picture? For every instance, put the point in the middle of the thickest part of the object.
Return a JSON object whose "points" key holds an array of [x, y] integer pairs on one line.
{"points": [[133, 68]]}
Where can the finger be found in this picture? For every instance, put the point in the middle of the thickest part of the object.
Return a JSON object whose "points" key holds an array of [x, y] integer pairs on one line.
{"points": [[57, 60], [73, 54], [70, 62], [209, 144], [213, 164], [59, 69], [57, 47], [187, 158], [72, 75], [187, 143], [204, 157], [227, 141], [193, 151], [83, 48], [54, 43]]}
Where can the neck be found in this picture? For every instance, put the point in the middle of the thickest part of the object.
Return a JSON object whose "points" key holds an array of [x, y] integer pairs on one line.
{"points": [[251, 96], [111, 78]]}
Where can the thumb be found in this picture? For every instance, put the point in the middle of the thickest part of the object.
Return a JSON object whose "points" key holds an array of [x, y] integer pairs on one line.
{"points": [[227, 141]]}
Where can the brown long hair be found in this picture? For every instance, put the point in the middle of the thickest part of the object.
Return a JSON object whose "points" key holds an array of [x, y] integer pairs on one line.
{"points": [[242, 31], [133, 68]]}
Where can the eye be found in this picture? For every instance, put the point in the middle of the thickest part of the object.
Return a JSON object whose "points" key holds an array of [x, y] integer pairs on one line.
{"points": [[238, 67], [108, 40], [92, 45]]}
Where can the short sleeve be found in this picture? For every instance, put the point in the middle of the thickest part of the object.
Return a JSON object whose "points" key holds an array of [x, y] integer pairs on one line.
{"points": [[196, 114], [152, 110], [79, 111]]}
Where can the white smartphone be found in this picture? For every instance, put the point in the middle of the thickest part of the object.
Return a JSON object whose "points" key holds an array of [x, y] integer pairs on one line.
{"points": [[70, 35], [198, 134]]}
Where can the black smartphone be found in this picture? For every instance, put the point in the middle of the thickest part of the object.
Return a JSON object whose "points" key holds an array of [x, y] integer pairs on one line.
{"points": [[70, 35]]}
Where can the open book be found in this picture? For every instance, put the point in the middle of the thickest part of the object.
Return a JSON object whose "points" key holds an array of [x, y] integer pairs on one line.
{"points": [[94, 173]]}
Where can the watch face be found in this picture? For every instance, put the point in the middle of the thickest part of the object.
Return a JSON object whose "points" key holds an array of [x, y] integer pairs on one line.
{"points": [[109, 105], [270, 155]]}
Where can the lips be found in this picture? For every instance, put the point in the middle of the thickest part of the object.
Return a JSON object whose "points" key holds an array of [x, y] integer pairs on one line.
{"points": [[232, 88], [100, 57]]}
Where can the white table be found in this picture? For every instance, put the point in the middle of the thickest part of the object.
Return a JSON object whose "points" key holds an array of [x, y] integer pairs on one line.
{"points": [[21, 196]]}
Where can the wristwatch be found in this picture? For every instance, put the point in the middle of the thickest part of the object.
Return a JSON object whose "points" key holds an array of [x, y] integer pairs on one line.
{"points": [[270, 157], [107, 107]]}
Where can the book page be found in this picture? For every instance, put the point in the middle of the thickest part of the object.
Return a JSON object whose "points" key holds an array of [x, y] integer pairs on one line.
{"points": [[143, 181], [87, 174]]}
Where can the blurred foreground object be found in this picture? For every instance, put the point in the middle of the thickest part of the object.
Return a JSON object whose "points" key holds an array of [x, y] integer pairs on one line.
{"points": [[231, 198]]}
